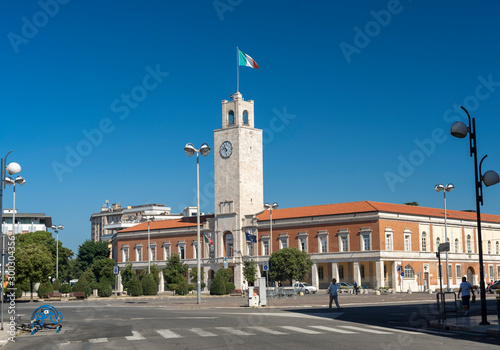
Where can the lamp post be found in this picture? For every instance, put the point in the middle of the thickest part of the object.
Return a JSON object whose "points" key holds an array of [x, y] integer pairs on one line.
{"points": [[448, 188], [9, 181], [460, 130], [190, 151], [12, 168], [148, 219], [270, 207], [56, 230]]}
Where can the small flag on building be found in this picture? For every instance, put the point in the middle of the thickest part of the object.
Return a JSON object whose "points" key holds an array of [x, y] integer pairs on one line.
{"points": [[208, 240], [250, 237], [245, 60]]}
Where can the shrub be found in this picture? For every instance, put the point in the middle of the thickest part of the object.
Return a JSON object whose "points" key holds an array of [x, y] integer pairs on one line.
{"points": [[134, 287], [57, 284], [82, 286], [45, 287], [104, 288], [230, 286], [149, 286], [182, 288], [191, 286], [173, 286], [218, 286], [65, 288]]}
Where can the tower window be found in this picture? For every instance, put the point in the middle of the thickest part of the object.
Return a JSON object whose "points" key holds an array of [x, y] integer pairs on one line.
{"points": [[245, 117], [230, 120]]}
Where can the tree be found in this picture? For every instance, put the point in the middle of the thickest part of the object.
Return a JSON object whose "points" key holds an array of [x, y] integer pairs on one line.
{"points": [[134, 287], [222, 283], [104, 288], [89, 251], [175, 271], [155, 271], [414, 204], [127, 274], [250, 271], [149, 286], [33, 264], [193, 274], [289, 264], [103, 267]]}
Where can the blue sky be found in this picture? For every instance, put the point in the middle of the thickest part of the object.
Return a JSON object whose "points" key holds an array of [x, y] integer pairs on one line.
{"points": [[356, 99]]}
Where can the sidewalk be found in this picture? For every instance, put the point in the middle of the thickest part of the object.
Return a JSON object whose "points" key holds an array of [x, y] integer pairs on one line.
{"points": [[470, 323]]}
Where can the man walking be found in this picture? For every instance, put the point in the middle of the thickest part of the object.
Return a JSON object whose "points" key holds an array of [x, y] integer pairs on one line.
{"points": [[465, 289], [333, 291]]}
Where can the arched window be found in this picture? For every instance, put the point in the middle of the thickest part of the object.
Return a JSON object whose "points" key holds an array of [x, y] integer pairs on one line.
{"points": [[424, 241], [230, 119], [489, 247], [456, 245], [469, 250], [245, 117], [408, 272]]}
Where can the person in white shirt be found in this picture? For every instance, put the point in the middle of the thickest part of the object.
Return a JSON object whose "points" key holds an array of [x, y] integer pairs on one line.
{"points": [[243, 288], [466, 290], [333, 291]]}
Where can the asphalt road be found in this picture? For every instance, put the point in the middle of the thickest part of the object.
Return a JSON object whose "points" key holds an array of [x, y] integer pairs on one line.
{"points": [[225, 323]]}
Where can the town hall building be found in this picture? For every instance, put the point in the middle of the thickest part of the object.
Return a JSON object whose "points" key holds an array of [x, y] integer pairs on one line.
{"points": [[376, 244]]}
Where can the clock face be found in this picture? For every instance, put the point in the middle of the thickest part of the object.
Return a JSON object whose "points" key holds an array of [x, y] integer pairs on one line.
{"points": [[226, 149]]}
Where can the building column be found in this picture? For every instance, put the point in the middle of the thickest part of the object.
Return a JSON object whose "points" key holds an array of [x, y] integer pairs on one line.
{"points": [[379, 274], [335, 271], [238, 275], [394, 275], [356, 275], [314, 276], [161, 287]]}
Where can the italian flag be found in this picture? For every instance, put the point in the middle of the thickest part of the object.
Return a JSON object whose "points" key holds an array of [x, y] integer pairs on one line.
{"points": [[245, 60], [208, 240]]}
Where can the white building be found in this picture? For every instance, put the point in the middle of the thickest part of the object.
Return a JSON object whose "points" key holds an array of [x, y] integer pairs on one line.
{"points": [[25, 222]]}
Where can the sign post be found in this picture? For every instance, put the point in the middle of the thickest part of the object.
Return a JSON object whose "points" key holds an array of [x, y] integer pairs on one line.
{"points": [[115, 272]]}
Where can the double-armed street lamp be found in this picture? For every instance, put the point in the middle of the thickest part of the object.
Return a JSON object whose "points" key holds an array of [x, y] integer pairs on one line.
{"points": [[460, 130], [190, 151], [13, 168], [270, 207], [56, 230], [149, 219], [445, 189]]}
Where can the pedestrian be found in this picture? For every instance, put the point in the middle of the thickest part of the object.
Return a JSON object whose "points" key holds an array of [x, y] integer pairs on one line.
{"points": [[356, 290], [333, 291], [243, 288], [466, 290]]}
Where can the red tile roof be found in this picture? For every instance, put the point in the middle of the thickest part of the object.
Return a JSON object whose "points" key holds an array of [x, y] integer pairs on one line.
{"points": [[370, 206], [165, 224]]}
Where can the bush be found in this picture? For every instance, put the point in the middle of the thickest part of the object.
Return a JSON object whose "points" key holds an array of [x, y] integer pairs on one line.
{"points": [[57, 284], [134, 287], [104, 289], [191, 286], [45, 287], [149, 286], [230, 286], [218, 286], [82, 286], [173, 286], [182, 288], [65, 288]]}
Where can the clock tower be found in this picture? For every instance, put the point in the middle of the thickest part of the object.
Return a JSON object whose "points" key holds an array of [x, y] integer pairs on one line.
{"points": [[239, 184]]}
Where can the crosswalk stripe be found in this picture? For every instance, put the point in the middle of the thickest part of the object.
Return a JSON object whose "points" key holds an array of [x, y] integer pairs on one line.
{"points": [[300, 330], [393, 330], [166, 333], [267, 330], [202, 332], [234, 331], [98, 340], [330, 329], [135, 336], [359, 329]]}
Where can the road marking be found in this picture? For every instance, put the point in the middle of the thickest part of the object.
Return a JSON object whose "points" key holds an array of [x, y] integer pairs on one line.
{"points": [[166, 333], [98, 340], [330, 329], [393, 330], [300, 330], [202, 332], [234, 331], [135, 336], [359, 329], [267, 330]]}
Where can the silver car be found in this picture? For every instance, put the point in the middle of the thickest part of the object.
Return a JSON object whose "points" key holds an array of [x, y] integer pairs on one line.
{"points": [[304, 287]]}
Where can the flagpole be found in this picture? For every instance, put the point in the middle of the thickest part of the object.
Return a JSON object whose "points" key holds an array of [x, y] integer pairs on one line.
{"points": [[237, 70]]}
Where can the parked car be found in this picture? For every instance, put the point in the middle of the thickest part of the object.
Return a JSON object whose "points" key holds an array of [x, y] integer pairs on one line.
{"points": [[304, 287], [494, 287], [345, 284]]}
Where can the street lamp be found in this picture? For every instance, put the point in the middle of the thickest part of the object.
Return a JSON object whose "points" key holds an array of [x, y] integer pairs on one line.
{"points": [[270, 207], [10, 181], [190, 151], [149, 219], [12, 168], [56, 229], [448, 188], [460, 130]]}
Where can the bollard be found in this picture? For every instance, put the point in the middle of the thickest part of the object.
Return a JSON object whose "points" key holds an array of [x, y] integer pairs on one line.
{"points": [[498, 306], [377, 292]]}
